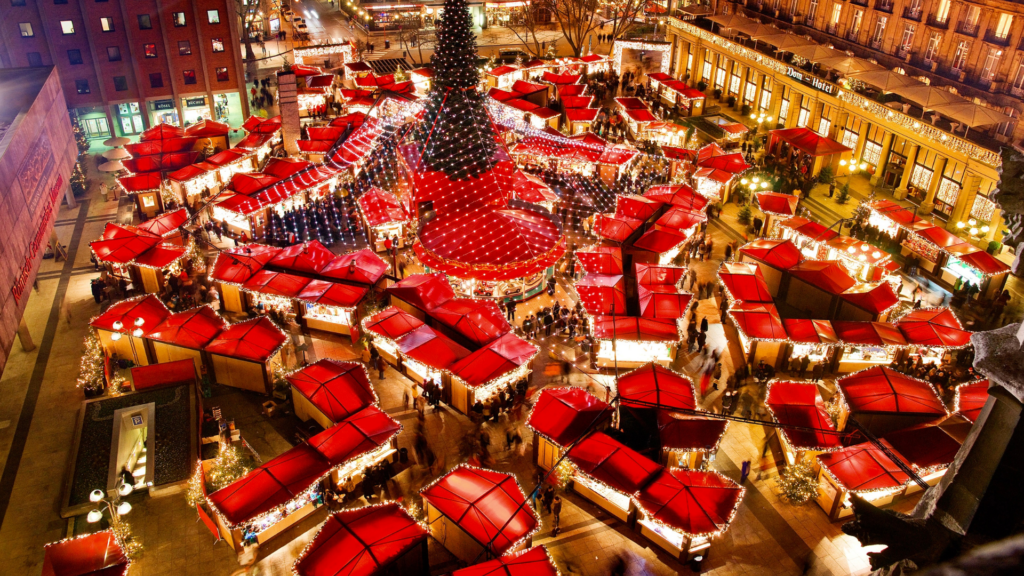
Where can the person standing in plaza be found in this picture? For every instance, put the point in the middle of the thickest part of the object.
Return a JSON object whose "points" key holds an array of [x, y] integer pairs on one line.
{"points": [[556, 510], [380, 365]]}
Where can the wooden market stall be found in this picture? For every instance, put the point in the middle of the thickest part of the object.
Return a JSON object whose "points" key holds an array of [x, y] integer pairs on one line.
{"points": [[688, 441], [145, 189], [799, 404], [864, 470], [883, 400], [561, 417], [634, 341], [384, 217], [776, 207], [814, 286], [329, 391], [773, 257], [122, 328], [184, 335], [865, 344], [607, 473], [497, 366], [139, 257], [761, 331], [242, 355]]}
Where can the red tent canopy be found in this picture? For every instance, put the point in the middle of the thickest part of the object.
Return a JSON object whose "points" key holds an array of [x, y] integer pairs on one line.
{"points": [[338, 389], [863, 468], [680, 219], [162, 132], [532, 189], [602, 293], [561, 78], [392, 323], [481, 321], [565, 414], [597, 259], [806, 140], [757, 320], [637, 207], [882, 389], [160, 256], [309, 257], [709, 151], [868, 333], [781, 254], [164, 374], [122, 244], [804, 331], [744, 281], [362, 266], [165, 224], [571, 90], [650, 275], [424, 291], [659, 239], [148, 309], [333, 294], [971, 398], [190, 329], [581, 114], [613, 464], [731, 163], [360, 542], [140, 182], [532, 562], [237, 265], [984, 262], [828, 275], [229, 156], [661, 301], [380, 207], [900, 214], [509, 352], [686, 433], [273, 484], [97, 554], [695, 503], [926, 447], [654, 386], [489, 506], [432, 348], [798, 404], [356, 435], [276, 283], [615, 228], [874, 297], [254, 340], [676, 153], [570, 102], [631, 103], [933, 327], [810, 229], [634, 328], [775, 203], [940, 237], [207, 128]]}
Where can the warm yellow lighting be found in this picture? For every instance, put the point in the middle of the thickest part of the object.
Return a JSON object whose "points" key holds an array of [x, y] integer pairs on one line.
{"points": [[851, 250], [974, 231], [972, 222], [876, 254], [985, 229], [960, 224]]}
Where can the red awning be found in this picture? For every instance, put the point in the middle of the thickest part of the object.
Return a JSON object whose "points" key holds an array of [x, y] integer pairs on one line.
{"points": [[160, 256], [984, 262], [693, 502], [164, 374], [596, 259], [380, 207], [798, 404], [122, 244], [165, 224], [662, 301], [276, 283], [720, 176], [781, 254], [237, 265], [303, 71], [531, 562], [362, 267], [650, 275], [631, 103], [744, 281], [678, 195], [641, 115], [615, 228], [933, 327], [901, 215], [807, 140], [361, 542], [140, 182], [775, 203], [162, 132], [634, 328], [613, 464], [863, 468], [686, 433], [424, 291], [731, 163], [565, 414], [392, 323], [497, 359], [190, 329], [757, 320], [309, 257], [572, 90], [435, 350], [659, 240], [338, 389], [360, 433], [96, 554], [570, 102], [940, 237], [502, 70], [654, 386], [680, 219], [882, 389], [333, 294], [191, 171], [481, 321], [148, 310], [229, 156], [254, 340], [868, 333], [675, 153], [207, 129], [827, 275], [488, 506], [560, 78], [810, 229], [532, 189], [874, 297], [925, 447], [804, 331], [602, 293], [971, 398]]}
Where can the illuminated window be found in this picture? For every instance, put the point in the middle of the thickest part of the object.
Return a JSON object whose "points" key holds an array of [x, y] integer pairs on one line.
{"points": [[26, 29], [107, 24], [946, 195], [960, 57], [67, 27], [942, 13], [921, 177], [1003, 26], [812, 10], [824, 125], [149, 50], [837, 12], [190, 76], [213, 16], [988, 71], [178, 18], [879, 33], [222, 74], [983, 209], [907, 39], [872, 152], [218, 44]]}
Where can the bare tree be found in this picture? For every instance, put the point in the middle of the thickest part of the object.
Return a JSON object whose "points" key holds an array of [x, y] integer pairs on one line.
{"points": [[409, 38], [577, 19], [526, 29], [624, 13], [246, 14]]}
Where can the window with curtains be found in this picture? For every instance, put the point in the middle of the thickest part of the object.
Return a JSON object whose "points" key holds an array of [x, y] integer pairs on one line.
{"points": [[851, 133], [805, 114], [873, 146], [766, 95], [922, 173], [750, 93], [824, 125], [983, 209], [720, 75], [949, 189], [706, 73], [734, 83], [784, 110]]}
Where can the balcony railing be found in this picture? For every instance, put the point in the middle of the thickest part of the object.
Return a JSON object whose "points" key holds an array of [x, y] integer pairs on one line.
{"points": [[832, 29], [1018, 92], [884, 5], [992, 38], [967, 29], [934, 22], [852, 35], [913, 13], [876, 44], [902, 51], [859, 2]]}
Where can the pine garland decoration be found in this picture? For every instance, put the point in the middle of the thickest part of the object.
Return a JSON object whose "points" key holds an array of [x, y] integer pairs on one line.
{"points": [[90, 370], [229, 465], [798, 482]]}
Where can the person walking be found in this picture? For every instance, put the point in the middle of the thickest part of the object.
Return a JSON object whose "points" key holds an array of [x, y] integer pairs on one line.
{"points": [[380, 365], [549, 497], [556, 511], [744, 471], [511, 309], [704, 324]]}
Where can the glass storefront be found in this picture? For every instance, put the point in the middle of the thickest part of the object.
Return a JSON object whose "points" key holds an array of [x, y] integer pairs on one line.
{"points": [[127, 119], [163, 112], [195, 109], [93, 120], [506, 13]]}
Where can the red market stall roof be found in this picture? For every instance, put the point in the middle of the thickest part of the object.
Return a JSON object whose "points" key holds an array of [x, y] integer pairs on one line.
{"points": [[572, 90], [426, 345], [160, 162], [358, 67], [160, 256], [827, 275], [926, 447], [863, 468], [654, 386], [868, 333], [781, 254], [757, 320], [637, 207], [276, 283], [613, 464], [634, 328], [641, 115], [360, 542], [532, 562], [933, 327], [680, 219], [678, 195], [165, 224], [380, 207], [254, 340], [122, 244], [527, 88], [676, 153], [140, 182], [708, 152], [149, 309], [686, 433], [940, 237], [807, 140], [775, 203], [597, 259], [193, 328], [237, 265], [971, 398], [659, 240], [532, 189], [362, 432], [207, 129], [591, 58], [560, 79], [662, 301], [489, 506], [322, 81], [650, 275], [481, 321], [97, 554], [565, 414], [615, 228], [720, 176], [309, 257], [602, 293], [303, 71], [693, 502], [731, 163], [631, 103], [496, 360], [333, 294], [570, 102], [502, 70], [805, 331], [901, 215], [164, 374], [882, 389], [273, 484], [798, 404], [424, 291], [392, 323], [983, 262], [744, 281], [338, 389], [162, 132], [874, 297], [229, 156], [362, 267]]}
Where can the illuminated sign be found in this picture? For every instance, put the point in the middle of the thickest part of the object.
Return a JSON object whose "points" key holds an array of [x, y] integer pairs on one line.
{"points": [[811, 80]]}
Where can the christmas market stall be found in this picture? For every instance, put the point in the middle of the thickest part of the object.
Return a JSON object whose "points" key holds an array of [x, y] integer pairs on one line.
{"points": [[930, 448], [262, 135], [497, 366], [596, 63], [683, 510], [808, 235], [971, 398], [776, 207], [688, 441], [883, 400], [607, 473], [208, 176], [931, 333], [353, 71], [426, 354], [560, 417], [637, 114], [384, 217], [244, 355], [531, 562], [629, 341], [184, 335], [145, 189], [96, 554], [761, 332], [863, 261], [814, 287], [815, 339], [503, 77], [807, 141], [675, 92], [653, 387], [716, 170], [598, 259], [865, 470], [799, 405], [773, 258], [865, 344], [354, 445], [122, 327], [367, 541], [478, 513], [328, 391], [867, 301], [743, 281], [138, 257]]}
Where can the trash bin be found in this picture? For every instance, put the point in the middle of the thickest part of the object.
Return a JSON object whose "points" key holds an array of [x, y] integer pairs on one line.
{"points": [[403, 455]]}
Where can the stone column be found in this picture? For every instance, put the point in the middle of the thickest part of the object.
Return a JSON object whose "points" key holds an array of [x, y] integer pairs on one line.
{"points": [[793, 114], [965, 201], [929, 200], [883, 158], [758, 80], [901, 191], [288, 94], [24, 336], [862, 137]]}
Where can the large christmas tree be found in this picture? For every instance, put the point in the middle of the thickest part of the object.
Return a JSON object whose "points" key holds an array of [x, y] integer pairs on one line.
{"points": [[455, 135]]}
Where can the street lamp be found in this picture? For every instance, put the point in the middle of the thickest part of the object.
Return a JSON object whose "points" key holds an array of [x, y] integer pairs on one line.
{"points": [[114, 506]]}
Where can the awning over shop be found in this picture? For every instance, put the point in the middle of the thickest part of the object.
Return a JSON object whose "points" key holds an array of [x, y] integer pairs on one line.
{"points": [[481, 321], [926, 447], [165, 224], [781, 254], [863, 468], [338, 389], [634, 328], [614, 228], [827, 275], [680, 219], [613, 464], [276, 284], [798, 404], [140, 182], [650, 275], [532, 562], [254, 340], [882, 389], [662, 301], [693, 502], [143, 312], [424, 291], [654, 386], [193, 328], [679, 195], [495, 361], [392, 323], [638, 207], [808, 141], [756, 320], [778, 204], [602, 293], [874, 297], [744, 281], [532, 189], [360, 433], [237, 265], [659, 239], [805, 331], [684, 433], [123, 244], [96, 554], [361, 267], [431, 348], [309, 257], [868, 333], [565, 414], [933, 327]]}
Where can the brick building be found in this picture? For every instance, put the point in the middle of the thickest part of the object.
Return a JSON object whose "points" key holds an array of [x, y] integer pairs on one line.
{"points": [[128, 65]]}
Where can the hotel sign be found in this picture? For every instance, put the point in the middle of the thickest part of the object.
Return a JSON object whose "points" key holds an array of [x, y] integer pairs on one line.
{"points": [[811, 80]]}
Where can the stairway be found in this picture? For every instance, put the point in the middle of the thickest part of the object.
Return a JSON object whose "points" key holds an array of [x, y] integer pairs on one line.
{"points": [[139, 472]]}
